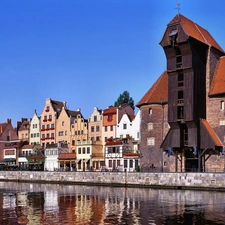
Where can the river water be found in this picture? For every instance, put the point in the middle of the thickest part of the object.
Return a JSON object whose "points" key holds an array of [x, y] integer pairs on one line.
{"points": [[27, 203]]}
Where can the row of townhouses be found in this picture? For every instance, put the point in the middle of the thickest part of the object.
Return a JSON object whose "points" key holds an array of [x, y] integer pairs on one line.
{"points": [[179, 126], [62, 139]]}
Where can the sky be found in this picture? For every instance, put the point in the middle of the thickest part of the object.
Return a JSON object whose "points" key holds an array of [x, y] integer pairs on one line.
{"points": [[87, 52]]}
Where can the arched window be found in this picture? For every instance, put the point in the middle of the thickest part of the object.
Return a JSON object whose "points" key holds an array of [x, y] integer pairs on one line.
{"points": [[150, 111]]}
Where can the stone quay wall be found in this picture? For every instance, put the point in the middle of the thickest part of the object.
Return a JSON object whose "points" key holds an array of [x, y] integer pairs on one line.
{"points": [[206, 181]]}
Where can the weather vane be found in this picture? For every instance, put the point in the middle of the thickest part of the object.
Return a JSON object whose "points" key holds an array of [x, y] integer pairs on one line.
{"points": [[178, 7]]}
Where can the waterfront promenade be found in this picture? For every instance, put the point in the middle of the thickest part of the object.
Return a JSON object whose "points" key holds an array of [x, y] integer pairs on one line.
{"points": [[203, 181]]}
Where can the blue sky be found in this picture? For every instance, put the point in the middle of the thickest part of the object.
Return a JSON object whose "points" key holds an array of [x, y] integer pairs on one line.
{"points": [[87, 52]]}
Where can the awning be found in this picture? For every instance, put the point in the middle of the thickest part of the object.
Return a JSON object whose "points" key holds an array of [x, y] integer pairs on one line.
{"points": [[209, 138], [22, 160], [172, 138], [98, 159], [86, 160], [9, 159], [77, 160]]}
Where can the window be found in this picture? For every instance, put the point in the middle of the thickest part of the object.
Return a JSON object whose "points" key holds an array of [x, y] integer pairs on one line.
{"points": [[37, 134], [73, 142], [180, 79], [34, 135], [52, 135], [105, 139], [124, 126], [62, 123], [84, 150], [43, 136], [110, 163], [131, 163], [180, 112], [125, 163], [180, 94], [97, 138], [138, 135], [60, 133], [97, 129], [222, 122], [34, 125], [79, 150], [31, 135], [150, 111], [105, 128], [95, 118], [52, 125], [43, 126], [178, 58], [92, 129], [111, 128], [88, 150], [66, 133], [50, 117], [109, 118], [222, 105], [150, 126], [151, 141]]}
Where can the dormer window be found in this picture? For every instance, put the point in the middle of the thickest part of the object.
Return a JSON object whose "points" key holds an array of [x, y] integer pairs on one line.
{"points": [[173, 37]]}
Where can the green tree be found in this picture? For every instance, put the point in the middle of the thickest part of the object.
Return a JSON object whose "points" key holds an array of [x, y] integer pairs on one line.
{"points": [[125, 98]]}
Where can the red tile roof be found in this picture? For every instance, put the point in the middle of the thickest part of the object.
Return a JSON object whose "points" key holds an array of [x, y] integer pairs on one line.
{"points": [[157, 93], [218, 83], [28, 146], [212, 133], [195, 31], [110, 110], [67, 156]]}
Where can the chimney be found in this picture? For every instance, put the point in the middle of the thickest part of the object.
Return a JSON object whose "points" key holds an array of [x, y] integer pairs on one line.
{"points": [[9, 121]]}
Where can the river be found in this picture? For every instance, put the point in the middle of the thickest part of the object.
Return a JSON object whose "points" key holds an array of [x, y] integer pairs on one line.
{"points": [[33, 203]]}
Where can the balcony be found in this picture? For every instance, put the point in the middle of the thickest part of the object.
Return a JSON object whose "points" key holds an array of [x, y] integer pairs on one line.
{"points": [[45, 120], [90, 142], [47, 110], [42, 139], [49, 119], [43, 129]]}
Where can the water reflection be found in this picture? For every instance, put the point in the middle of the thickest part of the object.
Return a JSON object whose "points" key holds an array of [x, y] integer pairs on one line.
{"points": [[24, 203]]}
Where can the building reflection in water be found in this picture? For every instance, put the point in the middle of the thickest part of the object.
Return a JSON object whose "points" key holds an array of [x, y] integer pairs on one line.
{"points": [[24, 203]]}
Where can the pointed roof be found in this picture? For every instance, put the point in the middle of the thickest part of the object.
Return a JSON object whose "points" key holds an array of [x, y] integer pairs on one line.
{"points": [[195, 31], [218, 83], [2, 127], [72, 113], [57, 105], [157, 93]]}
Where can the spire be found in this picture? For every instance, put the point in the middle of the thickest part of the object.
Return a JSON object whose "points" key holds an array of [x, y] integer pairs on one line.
{"points": [[178, 10]]}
